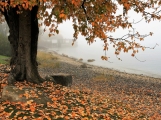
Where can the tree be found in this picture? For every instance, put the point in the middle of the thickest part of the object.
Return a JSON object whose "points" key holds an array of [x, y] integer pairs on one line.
{"points": [[91, 18]]}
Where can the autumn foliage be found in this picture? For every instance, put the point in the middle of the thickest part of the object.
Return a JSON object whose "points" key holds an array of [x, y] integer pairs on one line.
{"points": [[93, 18]]}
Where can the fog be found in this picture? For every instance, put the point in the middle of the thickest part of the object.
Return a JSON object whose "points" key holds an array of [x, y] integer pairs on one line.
{"points": [[151, 57]]}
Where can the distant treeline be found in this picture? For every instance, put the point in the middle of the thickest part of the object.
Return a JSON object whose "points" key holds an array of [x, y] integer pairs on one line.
{"points": [[4, 43]]}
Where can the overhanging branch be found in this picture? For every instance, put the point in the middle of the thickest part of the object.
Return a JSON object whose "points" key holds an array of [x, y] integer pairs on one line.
{"points": [[84, 9]]}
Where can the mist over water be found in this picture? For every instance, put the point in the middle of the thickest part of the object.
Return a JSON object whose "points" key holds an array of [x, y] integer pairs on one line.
{"points": [[151, 57]]}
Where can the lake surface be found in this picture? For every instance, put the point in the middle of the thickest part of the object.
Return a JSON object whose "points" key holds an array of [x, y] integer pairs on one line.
{"points": [[151, 57]]}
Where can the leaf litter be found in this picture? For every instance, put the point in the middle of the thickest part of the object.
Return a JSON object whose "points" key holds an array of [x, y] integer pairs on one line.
{"points": [[113, 101]]}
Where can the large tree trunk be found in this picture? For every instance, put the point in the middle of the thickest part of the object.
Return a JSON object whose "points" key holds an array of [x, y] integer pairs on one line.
{"points": [[23, 39]]}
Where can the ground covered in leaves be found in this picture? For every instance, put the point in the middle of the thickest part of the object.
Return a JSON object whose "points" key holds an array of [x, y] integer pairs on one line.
{"points": [[93, 95]]}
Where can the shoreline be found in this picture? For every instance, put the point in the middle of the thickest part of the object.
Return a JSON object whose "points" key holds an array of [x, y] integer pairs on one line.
{"points": [[147, 68], [135, 91], [141, 94], [102, 70]]}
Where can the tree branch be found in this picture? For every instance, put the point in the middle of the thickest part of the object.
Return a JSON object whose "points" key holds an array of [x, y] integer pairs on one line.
{"points": [[84, 9]]}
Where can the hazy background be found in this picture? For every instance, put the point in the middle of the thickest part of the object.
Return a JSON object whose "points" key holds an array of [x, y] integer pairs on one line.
{"points": [[152, 57]]}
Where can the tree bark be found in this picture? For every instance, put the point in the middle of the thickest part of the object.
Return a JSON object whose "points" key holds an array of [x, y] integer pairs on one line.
{"points": [[23, 39]]}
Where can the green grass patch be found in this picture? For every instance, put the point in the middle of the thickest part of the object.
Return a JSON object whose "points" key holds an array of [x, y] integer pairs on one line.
{"points": [[47, 60], [4, 59]]}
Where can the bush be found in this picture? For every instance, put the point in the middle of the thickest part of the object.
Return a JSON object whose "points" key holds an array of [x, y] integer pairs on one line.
{"points": [[4, 46]]}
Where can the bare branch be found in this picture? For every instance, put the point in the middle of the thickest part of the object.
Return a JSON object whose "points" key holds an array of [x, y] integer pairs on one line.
{"points": [[140, 60], [137, 21], [153, 47]]}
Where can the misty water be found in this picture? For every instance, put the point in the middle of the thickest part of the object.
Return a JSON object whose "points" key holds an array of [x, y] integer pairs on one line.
{"points": [[151, 57]]}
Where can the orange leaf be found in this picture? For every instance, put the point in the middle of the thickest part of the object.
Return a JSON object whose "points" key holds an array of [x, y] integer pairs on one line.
{"points": [[141, 39], [24, 117], [50, 35], [66, 117], [54, 99], [62, 15], [5, 75], [93, 23], [127, 6], [143, 48], [29, 102], [133, 54], [33, 107], [23, 5]]}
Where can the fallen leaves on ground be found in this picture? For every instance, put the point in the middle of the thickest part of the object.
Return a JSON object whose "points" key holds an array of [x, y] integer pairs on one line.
{"points": [[72, 103]]}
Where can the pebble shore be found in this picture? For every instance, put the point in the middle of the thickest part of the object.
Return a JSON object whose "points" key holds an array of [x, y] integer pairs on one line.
{"points": [[116, 79]]}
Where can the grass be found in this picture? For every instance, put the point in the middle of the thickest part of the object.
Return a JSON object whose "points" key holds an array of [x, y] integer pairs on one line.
{"points": [[47, 60], [4, 59]]}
